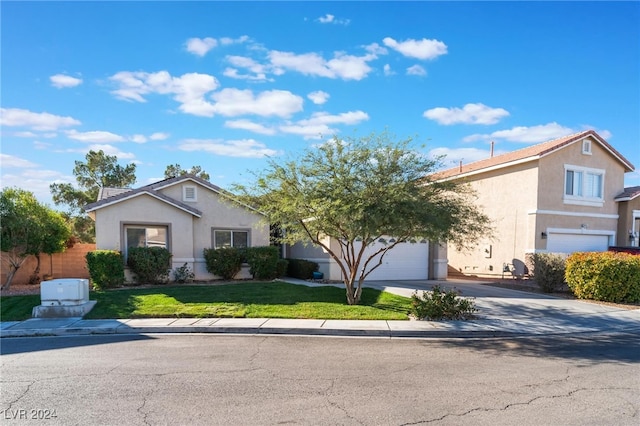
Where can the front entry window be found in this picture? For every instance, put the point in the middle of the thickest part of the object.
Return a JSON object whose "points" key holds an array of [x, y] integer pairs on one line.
{"points": [[223, 238], [145, 236]]}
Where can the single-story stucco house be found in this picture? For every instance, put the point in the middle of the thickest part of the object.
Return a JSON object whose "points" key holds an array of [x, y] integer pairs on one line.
{"points": [[184, 214]]}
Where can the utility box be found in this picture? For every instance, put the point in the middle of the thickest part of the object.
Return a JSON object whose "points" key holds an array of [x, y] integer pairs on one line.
{"points": [[64, 292]]}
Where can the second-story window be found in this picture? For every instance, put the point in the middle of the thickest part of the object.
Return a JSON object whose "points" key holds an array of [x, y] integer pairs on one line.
{"points": [[583, 185]]}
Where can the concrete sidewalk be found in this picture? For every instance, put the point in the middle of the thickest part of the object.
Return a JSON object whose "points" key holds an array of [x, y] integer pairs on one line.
{"points": [[501, 313]]}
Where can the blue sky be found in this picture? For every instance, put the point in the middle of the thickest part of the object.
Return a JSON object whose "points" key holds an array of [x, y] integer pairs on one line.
{"points": [[224, 84]]}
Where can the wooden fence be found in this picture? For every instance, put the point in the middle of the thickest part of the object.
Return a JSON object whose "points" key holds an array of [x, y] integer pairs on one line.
{"points": [[68, 264]]}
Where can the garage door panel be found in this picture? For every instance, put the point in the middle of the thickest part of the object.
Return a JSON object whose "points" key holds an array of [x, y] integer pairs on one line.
{"points": [[406, 261], [569, 243]]}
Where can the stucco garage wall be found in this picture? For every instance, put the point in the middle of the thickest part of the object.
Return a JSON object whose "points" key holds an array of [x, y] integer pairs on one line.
{"points": [[506, 195]]}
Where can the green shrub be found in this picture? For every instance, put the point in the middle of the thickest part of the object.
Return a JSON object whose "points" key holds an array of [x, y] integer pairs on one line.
{"points": [[548, 271], [183, 274], [150, 265], [606, 276], [439, 304], [264, 262], [283, 264], [106, 268], [224, 262], [302, 269]]}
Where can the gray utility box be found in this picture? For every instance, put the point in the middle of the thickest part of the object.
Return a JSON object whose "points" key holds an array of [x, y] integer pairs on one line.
{"points": [[64, 292]]}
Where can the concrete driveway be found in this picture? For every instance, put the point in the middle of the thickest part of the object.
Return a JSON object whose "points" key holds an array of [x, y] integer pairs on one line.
{"points": [[511, 307]]}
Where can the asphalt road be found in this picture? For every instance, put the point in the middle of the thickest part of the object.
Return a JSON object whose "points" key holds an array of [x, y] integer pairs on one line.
{"points": [[287, 380]]}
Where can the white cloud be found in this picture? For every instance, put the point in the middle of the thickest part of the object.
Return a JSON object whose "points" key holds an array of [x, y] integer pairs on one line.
{"points": [[25, 135], [331, 19], [61, 81], [347, 67], [189, 89], [200, 46], [139, 138], [37, 181], [159, 136], [250, 126], [606, 134], [419, 49], [234, 102], [318, 125], [97, 136], [351, 117], [258, 71], [376, 49], [453, 156], [533, 134], [41, 145], [11, 117], [109, 150], [468, 114], [245, 148], [15, 162], [387, 70], [225, 41], [416, 70], [318, 97]]}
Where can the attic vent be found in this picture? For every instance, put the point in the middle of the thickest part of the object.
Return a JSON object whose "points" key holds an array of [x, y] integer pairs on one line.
{"points": [[586, 146], [189, 193]]}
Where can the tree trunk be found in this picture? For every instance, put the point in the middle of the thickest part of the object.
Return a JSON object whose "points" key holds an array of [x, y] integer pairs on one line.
{"points": [[12, 272], [14, 265], [354, 294], [35, 277]]}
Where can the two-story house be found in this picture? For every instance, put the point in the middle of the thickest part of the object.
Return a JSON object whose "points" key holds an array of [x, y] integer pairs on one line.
{"points": [[558, 196]]}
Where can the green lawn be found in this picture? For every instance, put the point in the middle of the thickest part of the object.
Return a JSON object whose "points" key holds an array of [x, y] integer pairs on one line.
{"points": [[237, 300]]}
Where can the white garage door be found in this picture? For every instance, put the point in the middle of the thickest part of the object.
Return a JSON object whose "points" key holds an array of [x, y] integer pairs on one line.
{"points": [[406, 261], [569, 243]]}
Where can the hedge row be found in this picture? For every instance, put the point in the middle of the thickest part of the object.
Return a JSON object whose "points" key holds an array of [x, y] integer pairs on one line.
{"points": [[264, 262], [606, 276]]}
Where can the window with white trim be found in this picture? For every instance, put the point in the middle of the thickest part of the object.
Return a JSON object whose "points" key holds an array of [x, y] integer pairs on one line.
{"points": [[145, 236], [586, 146], [224, 238], [189, 193], [583, 185]]}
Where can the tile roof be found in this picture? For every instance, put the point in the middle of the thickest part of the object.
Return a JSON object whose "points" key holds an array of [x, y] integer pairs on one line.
{"points": [[120, 194], [109, 196], [629, 194], [529, 153], [110, 192]]}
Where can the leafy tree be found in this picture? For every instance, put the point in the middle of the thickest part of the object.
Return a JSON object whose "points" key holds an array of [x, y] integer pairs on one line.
{"points": [[360, 191], [175, 170], [99, 171], [28, 228]]}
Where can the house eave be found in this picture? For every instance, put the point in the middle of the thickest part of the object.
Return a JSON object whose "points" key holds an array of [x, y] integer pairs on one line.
{"points": [[193, 212], [491, 168]]}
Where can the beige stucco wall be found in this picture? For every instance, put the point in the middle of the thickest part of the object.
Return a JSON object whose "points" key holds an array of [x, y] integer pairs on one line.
{"points": [[188, 235], [554, 212], [551, 197], [506, 196], [628, 210], [527, 199]]}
